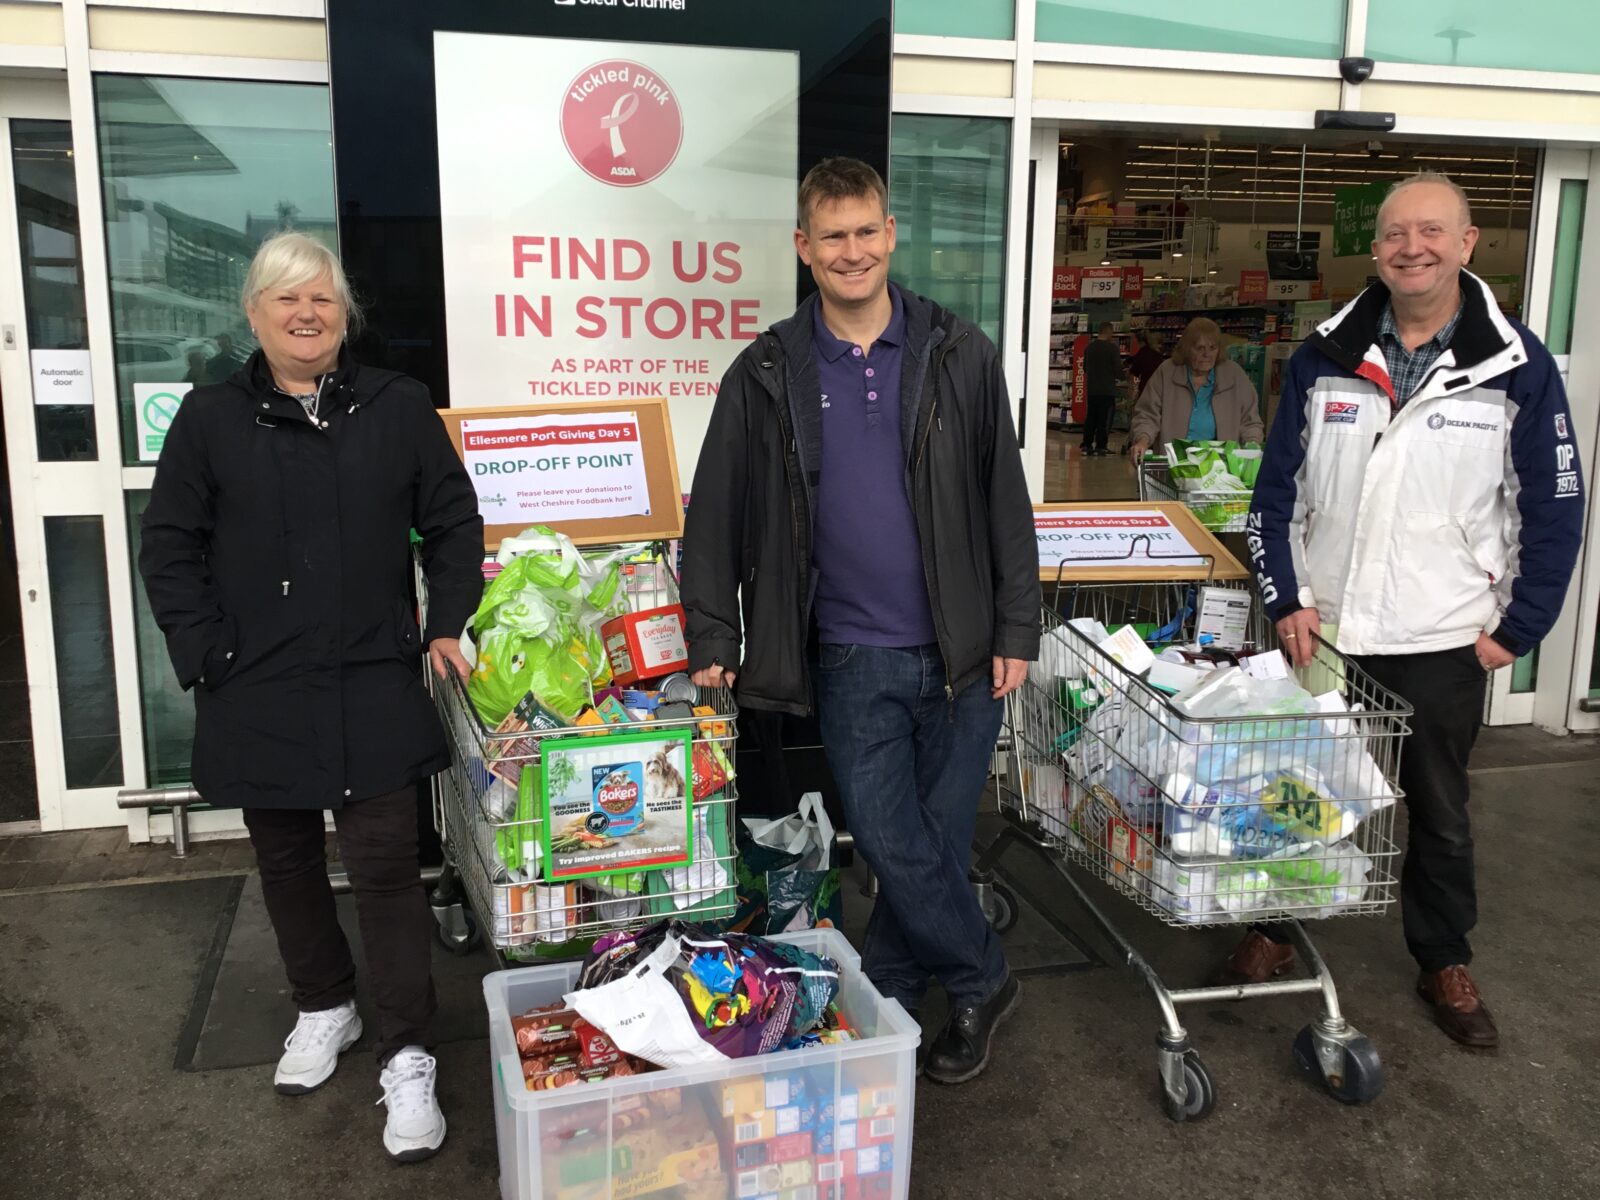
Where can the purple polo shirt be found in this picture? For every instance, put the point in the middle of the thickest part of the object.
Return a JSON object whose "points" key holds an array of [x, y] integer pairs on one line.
{"points": [[870, 588]]}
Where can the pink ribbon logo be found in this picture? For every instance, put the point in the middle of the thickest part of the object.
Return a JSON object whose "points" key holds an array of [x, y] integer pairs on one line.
{"points": [[602, 99], [624, 108]]}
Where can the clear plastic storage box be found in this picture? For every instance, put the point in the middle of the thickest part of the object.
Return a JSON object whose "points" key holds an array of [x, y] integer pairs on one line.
{"points": [[828, 1122]]}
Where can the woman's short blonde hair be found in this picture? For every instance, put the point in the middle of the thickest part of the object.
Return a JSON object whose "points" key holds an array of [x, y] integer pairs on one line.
{"points": [[1201, 329], [291, 260]]}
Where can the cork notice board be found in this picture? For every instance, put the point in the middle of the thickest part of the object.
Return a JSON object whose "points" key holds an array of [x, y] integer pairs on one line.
{"points": [[1115, 543], [545, 464]]}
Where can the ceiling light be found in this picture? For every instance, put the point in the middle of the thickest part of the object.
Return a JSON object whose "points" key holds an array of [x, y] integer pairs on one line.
{"points": [[1177, 254]]}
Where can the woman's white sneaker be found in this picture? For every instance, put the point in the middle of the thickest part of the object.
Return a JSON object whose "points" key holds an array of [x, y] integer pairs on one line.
{"points": [[415, 1129], [312, 1051]]}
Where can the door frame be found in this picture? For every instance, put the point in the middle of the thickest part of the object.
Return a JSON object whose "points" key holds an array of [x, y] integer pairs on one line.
{"points": [[1562, 688], [1502, 706], [44, 490]]}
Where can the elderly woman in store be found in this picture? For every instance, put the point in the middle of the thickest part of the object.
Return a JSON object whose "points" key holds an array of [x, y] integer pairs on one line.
{"points": [[1196, 394], [276, 554]]}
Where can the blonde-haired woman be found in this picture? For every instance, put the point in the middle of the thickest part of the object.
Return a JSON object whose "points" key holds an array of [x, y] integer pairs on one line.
{"points": [[1196, 394], [276, 554]]}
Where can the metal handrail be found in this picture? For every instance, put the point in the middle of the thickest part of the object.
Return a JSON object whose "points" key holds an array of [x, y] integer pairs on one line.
{"points": [[177, 799]]}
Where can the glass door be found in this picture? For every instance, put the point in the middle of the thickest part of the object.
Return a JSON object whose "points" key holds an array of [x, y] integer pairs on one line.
{"points": [[1566, 688], [1546, 686], [61, 758]]}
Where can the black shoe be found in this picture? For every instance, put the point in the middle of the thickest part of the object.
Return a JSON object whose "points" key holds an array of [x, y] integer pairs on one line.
{"points": [[961, 1051]]}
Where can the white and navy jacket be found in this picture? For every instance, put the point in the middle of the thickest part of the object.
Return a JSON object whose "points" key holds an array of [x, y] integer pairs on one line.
{"points": [[1414, 528]]}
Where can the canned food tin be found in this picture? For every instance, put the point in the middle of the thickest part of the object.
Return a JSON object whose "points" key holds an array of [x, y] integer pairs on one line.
{"points": [[679, 687]]}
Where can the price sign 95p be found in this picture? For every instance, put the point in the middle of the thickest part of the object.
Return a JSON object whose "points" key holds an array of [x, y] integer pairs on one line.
{"points": [[1102, 283]]}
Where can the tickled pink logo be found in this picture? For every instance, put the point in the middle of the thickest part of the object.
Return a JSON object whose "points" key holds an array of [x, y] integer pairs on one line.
{"points": [[621, 122]]}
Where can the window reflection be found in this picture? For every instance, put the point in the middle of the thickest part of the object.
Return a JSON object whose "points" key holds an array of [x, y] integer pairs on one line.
{"points": [[52, 273], [947, 189], [197, 172], [80, 618], [168, 709]]}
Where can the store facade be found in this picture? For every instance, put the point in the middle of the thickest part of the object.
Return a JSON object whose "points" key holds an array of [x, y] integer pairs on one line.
{"points": [[147, 148]]}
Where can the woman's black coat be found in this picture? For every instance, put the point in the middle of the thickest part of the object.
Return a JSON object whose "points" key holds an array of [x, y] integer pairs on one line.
{"points": [[277, 559]]}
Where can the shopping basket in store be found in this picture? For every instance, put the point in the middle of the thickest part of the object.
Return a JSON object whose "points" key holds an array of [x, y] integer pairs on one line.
{"points": [[1207, 820], [492, 884]]}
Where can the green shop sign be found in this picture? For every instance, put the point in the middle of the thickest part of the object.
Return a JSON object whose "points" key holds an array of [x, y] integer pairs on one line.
{"points": [[1355, 217]]}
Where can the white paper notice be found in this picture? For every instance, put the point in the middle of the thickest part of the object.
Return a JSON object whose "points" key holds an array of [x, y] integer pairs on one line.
{"points": [[537, 470], [1132, 538], [61, 377]]}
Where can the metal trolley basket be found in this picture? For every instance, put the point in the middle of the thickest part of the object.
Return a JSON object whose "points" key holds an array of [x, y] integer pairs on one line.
{"points": [[1218, 511], [1207, 821], [524, 916]]}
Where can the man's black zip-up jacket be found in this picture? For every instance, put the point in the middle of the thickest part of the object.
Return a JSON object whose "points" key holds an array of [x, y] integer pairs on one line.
{"points": [[747, 555]]}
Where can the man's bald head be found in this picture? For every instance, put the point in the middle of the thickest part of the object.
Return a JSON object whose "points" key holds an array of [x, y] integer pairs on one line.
{"points": [[1434, 178]]}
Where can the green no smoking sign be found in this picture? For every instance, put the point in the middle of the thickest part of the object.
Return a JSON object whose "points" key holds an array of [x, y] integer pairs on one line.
{"points": [[155, 404], [159, 411]]}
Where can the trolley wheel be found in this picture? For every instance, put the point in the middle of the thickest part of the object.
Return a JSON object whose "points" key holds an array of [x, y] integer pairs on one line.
{"points": [[1360, 1078], [1199, 1092], [461, 940], [1000, 908]]}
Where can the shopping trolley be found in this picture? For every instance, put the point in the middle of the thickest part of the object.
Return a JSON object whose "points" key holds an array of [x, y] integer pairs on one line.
{"points": [[1207, 820], [1218, 510], [524, 916]]}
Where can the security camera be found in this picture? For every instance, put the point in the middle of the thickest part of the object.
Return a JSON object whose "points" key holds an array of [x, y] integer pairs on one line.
{"points": [[1354, 69]]}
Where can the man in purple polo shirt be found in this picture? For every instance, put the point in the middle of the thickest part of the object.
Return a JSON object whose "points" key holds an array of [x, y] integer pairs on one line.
{"points": [[861, 536]]}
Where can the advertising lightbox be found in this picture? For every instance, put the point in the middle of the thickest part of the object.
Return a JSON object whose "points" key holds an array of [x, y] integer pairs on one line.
{"points": [[639, 237], [545, 202]]}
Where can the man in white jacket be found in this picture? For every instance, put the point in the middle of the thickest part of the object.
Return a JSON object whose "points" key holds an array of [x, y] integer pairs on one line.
{"points": [[1420, 492]]}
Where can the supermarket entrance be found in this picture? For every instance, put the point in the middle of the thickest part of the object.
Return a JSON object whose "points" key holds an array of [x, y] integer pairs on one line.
{"points": [[1267, 233], [1263, 235]]}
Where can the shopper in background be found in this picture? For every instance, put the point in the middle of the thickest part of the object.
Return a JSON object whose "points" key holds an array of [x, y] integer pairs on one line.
{"points": [[860, 515], [1421, 492], [221, 366], [1197, 394], [1102, 368], [197, 372], [276, 554], [1147, 358]]}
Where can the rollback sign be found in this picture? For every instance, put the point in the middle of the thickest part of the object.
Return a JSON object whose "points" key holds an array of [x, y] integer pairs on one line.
{"points": [[616, 217]]}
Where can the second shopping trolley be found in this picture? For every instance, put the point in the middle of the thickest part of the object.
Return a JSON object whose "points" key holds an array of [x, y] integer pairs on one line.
{"points": [[1204, 818], [1219, 510]]}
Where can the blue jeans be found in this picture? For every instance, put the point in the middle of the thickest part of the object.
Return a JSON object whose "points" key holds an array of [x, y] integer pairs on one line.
{"points": [[911, 766]]}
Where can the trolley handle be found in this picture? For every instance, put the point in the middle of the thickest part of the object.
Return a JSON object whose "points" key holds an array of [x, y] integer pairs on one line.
{"points": [[1210, 561], [1378, 701]]}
